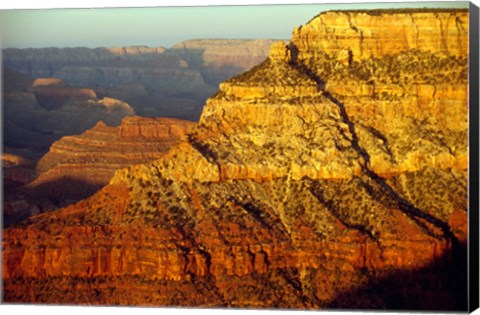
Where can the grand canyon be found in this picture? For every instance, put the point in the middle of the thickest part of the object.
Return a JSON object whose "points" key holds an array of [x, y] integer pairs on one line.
{"points": [[49, 93], [322, 172]]}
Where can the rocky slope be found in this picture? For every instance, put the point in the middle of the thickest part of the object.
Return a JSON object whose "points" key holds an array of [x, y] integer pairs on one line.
{"points": [[155, 81], [77, 166], [92, 157], [318, 179]]}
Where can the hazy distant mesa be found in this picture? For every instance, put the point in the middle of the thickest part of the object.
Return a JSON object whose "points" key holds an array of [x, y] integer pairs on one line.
{"points": [[155, 81]]}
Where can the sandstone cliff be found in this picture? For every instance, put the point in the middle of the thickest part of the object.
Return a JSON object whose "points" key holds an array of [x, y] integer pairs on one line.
{"points": [[77, 166], [319, 178], [367, 34], [90, 159]]}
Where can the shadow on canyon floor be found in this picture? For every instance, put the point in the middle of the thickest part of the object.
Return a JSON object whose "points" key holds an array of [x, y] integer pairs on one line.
{"points": [[22, 202], [440, 286]]}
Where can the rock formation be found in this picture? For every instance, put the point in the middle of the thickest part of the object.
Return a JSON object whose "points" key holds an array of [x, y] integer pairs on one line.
{"points": [[38, 112], [77, 166], [16, 169], [52, 93], [91, 159], [333, 174], [155, 81], [359, 34], [44, 62], [220, 59]]}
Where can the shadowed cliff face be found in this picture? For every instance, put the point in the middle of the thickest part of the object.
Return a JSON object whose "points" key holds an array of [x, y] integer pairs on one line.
{"points": [[38, 112], [77, 166], [220, 59], [321, 178]]}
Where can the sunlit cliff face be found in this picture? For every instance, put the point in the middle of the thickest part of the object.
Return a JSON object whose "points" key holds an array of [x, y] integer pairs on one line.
{"points": [[333, 174]]}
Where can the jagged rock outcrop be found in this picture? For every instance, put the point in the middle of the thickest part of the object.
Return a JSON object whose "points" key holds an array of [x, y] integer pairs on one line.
{"points": [[295, 195]]}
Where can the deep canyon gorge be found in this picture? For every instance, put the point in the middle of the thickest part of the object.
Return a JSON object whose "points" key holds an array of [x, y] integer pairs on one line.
{"points": [[330, 172]]}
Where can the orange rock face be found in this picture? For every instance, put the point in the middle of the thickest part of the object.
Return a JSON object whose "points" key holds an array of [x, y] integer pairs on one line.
{"points": [[367, 34], [89, 160], [293, 191], [154, 128], [77, 166]]}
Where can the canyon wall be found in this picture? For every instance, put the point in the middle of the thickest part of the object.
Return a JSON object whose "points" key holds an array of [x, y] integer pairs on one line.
{"points": [[155, 81], [77, 166], [367, 34], [219, 59], [38, 112], [93, 157], [318, 179]]}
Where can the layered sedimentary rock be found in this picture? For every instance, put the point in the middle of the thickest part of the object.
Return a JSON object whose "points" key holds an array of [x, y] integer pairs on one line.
{"points": [[44, 62], [77, 166], [35, 115], [360, 33], [155, 81], [220, 59], [292, 191]]}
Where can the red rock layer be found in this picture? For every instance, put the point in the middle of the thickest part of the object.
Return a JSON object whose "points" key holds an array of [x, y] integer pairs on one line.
{"points": [[292, 194], [88, 161]]}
